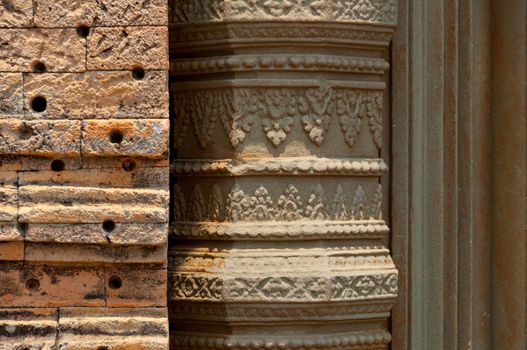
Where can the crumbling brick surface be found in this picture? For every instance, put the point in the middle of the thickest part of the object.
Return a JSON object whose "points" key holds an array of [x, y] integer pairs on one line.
{"points": [[84, 196]]}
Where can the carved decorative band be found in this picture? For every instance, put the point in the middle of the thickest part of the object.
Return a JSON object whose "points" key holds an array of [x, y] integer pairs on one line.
{"points": [[284, 62], [278, 110], [382, 12], [240, 34], [260, 207], [262, 312], [371, 340], [193, 287], [281, 166], [300, 230]]}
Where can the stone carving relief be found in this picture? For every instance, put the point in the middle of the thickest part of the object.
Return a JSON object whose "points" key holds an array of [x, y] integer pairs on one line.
{"points": [[278, 110], [337, 288], [239, 206], [367, 11]]}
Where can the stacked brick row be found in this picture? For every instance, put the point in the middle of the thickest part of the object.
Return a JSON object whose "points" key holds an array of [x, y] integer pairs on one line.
{"points": [[84, 135]]}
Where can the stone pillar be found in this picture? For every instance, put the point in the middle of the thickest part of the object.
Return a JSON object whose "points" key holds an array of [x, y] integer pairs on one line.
{"points": [[278, 238]]}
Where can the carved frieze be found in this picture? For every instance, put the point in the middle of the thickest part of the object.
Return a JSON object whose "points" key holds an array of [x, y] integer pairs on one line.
{"points": [[357, 11], [277, 111]]}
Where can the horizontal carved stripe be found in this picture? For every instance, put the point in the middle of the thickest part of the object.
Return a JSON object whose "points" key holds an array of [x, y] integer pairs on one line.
{"points": [[280, 166], [285, 62], [245, 34], [372, 340], [349, 11], [277, 288], [286, 230], [263, 312]]}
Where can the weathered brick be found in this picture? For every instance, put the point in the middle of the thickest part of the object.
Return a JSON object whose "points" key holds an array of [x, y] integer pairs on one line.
{"points": [[16, 13], [67, 13], [118, 95], [28, 328], [138, 287], [50, 286], [140, 138], [90, 253], [35, 163], [70, 204], [11, 95], [41, 138], [123, 234], [8, 204], [127, 48], [98, 95], [11, 251], [10, 232], [113, 328], [61, 50]]}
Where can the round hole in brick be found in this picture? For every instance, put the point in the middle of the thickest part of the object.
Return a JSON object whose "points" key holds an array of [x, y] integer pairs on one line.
{"points": [[39, 104], [103, 348], [38, 67], [32, 284], [83, 31], [129, 165], [115, 282], [138, 73], [57, 165], [108, 225], [116, 136]]}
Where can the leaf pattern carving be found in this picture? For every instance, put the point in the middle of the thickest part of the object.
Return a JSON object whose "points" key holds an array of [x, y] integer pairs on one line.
{"points": [[368, 11], [340, 208], [277, 109], [316, 122], [239, 206]]}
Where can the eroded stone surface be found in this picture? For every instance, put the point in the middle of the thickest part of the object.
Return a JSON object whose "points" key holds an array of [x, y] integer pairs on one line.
{"points": [[11, 95], [65, 13], [51, 138], [16, 13], [127, 48], [138, 138], [98, 95], [61, 50]]}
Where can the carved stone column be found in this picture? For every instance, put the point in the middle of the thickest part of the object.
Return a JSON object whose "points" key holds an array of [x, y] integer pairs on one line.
{"points": [[278, 237]]}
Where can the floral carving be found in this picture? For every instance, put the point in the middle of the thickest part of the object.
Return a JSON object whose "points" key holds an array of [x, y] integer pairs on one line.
{"points": [[317, 118], [358, 205], [289, 206], [361, 11], [316, 208], [197, 208], [347, 109], [180, 204], [261, 206], [216, 208], [340, 208], [373, 105], [239, 108]]}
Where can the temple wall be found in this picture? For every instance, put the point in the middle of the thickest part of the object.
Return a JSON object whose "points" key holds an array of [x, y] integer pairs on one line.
{"points": [[84, 132], [266, 228]]}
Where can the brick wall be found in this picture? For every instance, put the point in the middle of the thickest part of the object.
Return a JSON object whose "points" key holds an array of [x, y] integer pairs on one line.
{"points": [[83, 174]]}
